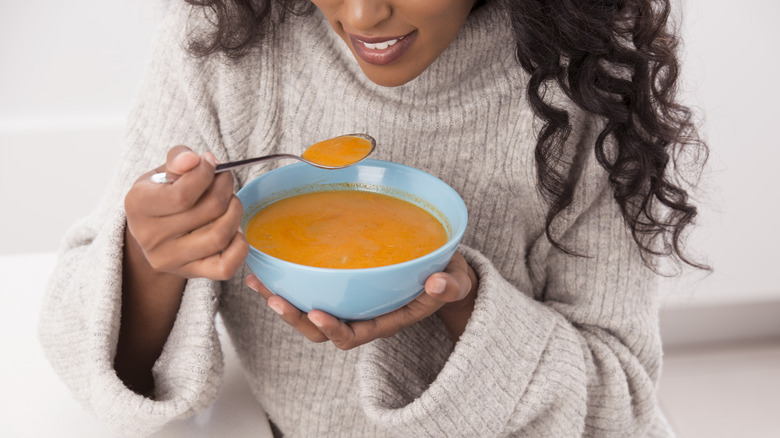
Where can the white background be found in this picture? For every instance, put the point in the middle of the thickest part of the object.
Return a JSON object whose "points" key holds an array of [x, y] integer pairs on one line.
{"points": [[70, 70]]}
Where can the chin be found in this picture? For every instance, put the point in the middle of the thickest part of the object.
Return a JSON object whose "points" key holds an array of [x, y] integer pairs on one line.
{"points": [[387, 76], [389, 82]]}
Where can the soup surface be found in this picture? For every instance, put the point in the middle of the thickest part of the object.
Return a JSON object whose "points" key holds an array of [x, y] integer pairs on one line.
{"points": [[345, 229], [339, 151]]}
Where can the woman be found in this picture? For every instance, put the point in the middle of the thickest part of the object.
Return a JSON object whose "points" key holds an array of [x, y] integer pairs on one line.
{"points": [[556, 123]]}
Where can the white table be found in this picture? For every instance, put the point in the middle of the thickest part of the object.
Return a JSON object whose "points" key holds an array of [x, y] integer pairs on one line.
{"points": [[35, 403]]}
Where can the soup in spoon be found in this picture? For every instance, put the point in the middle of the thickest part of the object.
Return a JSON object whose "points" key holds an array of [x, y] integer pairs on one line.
{"points": [[339, 151]]}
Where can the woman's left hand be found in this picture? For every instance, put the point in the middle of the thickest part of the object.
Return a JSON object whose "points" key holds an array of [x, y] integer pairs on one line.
{"points": [[451, 293]]}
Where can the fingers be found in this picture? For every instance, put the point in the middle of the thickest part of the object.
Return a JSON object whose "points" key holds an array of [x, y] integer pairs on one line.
{"points": [[218, 200], [460, 292], [181, 195], [289, 313], [180, 160], [346, 336], [189, 227], [451, 285], [209, 240], [222, 265], [451, 288], [318, 326]]}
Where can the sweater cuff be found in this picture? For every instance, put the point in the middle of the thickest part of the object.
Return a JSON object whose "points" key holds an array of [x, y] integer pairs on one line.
{"points": [[479, 385], [80, 334]]}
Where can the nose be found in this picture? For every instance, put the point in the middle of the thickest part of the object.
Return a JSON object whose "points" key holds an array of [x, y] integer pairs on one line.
{"points": [[363, 15]]}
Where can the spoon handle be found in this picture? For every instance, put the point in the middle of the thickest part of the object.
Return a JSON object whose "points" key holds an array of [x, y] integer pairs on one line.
{"points": [[241, 163], [164, 178]]}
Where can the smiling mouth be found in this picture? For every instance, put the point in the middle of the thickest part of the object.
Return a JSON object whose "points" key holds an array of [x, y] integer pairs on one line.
{"points": [[380, 51], [380, 45]]}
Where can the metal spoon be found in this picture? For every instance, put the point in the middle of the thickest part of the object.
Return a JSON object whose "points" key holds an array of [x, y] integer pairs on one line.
{"points": [[164, 178]]}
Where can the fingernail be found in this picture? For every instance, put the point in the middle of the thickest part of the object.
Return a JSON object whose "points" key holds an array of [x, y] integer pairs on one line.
{"points": [[316, 321], [276, 308], [181, 156], [437, 286], [211, 158]]}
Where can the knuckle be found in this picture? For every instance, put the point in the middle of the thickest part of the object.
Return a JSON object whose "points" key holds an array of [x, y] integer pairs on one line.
{"points": [[149, 235], [235, 207], [225, 200], [218, 272], [218, 239], [217, 204], [238, 260], [225, 182], [233, 264], [160, 264], [179, 200], [224, 270], [243, 249]]}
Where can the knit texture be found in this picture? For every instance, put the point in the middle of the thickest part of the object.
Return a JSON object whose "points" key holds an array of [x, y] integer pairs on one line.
{"points": [[557, 346]]}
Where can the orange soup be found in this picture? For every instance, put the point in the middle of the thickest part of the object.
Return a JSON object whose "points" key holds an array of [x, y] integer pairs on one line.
{"points": [[345, 229], [339, 151]]}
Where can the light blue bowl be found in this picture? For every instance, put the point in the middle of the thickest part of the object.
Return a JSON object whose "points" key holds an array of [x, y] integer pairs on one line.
{"points": [[354, 294]]}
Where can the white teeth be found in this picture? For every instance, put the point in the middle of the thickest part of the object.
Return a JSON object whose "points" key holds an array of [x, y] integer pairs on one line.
{"points": [[380, 46]]}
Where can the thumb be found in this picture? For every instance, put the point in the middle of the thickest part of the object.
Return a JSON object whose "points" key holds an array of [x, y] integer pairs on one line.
{"points": [[454, 284], [181, 159]]}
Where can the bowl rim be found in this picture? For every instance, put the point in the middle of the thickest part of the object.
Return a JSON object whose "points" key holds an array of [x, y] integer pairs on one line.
{"points": [[454, 240]]}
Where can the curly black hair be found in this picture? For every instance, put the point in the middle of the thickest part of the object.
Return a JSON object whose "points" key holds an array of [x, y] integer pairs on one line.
{"points": [[617, 59]]}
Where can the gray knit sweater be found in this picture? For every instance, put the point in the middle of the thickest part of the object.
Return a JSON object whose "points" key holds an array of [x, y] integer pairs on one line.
{"points": [[557, 345]]}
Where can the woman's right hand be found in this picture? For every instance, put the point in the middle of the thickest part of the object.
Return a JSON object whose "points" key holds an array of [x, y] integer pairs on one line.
{"points": [[185, 229], [191, 227]]}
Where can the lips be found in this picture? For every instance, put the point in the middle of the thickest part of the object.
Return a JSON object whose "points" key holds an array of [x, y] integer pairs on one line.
{"points": [[383, 50]]}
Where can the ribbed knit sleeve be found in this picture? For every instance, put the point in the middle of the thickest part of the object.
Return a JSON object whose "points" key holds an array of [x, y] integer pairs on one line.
{"points": [[80, 319], [580, 359]]}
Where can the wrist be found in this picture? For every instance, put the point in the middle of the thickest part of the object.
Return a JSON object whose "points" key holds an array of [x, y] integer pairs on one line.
{"points": [[150, 302]]}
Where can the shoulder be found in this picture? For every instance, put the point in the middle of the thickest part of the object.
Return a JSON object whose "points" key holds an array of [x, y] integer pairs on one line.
{"points": [[182, 24], [217, 80]]}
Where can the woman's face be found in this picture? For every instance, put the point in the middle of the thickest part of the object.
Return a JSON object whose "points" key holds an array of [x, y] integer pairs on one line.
{"points": [[395, 40]]}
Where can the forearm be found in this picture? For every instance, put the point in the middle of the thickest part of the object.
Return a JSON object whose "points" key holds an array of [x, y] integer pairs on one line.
{"points": [[520, 368], [150, 302]]}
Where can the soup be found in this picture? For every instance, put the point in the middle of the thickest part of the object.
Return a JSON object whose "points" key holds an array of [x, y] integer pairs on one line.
{"points": [[339, 151], [345, 229]]}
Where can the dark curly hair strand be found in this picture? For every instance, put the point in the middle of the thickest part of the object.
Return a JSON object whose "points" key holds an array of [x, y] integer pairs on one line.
{"points": [[616, 59]]}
